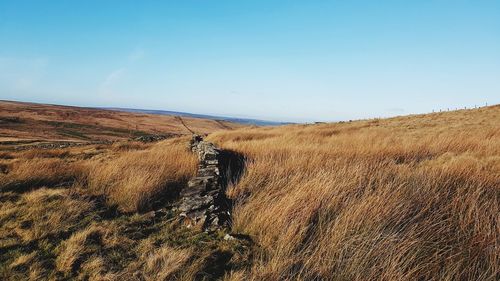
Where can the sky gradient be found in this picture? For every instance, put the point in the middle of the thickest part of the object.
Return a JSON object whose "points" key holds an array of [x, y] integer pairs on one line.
{"points": [[277, 60]]}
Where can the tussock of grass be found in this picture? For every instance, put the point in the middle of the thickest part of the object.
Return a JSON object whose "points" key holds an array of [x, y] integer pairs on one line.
{"points": [[75, 251], [408, 198], [164, 262], [135, 180], [39, 214], [23, 260], [31, 173]]}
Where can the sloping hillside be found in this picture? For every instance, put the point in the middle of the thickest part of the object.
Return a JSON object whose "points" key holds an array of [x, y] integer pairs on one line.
{"points": [[406, 198], [29, 121]]}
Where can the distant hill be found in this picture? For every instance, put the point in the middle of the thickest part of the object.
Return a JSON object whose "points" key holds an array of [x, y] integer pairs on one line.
{"points": [[32, 121], [246, 121]]}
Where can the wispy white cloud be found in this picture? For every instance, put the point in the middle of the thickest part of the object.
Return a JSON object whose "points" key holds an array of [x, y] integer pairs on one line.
{"points": [[112, 79]]}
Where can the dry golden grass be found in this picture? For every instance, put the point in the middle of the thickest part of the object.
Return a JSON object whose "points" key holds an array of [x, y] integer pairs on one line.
{"points": [[135, 180], [58, 221], [39, 214], [43, 153], [407, 198], [80, 246], [132, 175], [31, 172], [163, 262]]}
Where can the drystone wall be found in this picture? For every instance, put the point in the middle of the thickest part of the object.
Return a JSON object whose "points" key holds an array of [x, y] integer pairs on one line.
{"points": [[203, 202]]}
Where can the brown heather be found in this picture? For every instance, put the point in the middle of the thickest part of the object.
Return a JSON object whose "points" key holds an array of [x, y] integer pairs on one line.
{"points": [[30, 122], [406, 198]]}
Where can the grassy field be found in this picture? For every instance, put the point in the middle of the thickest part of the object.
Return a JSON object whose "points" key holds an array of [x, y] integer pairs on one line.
{"points": [[406, 198], [102, 212], [31, 122]]}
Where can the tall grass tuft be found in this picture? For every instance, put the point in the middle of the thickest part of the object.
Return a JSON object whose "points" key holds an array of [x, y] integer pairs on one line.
{"points": [[136, 180], [407, 198]]}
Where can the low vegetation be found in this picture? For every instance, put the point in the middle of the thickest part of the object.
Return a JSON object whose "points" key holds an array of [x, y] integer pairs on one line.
{"points": [[406, 198], [22, 123], [136, 180], [86, 213]]}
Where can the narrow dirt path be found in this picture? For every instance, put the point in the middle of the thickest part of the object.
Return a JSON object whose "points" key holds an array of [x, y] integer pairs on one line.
{"points": [[184, 124], [224, 126]]}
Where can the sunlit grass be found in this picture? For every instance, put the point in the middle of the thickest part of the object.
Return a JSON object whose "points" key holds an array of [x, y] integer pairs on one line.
{"points": [[408, 198]]}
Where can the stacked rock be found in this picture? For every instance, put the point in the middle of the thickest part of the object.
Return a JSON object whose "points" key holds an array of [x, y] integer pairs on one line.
{"points": [[204, 203]]}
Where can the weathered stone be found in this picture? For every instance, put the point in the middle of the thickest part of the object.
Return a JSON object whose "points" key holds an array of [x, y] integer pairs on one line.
{"points": [[208, 171], [228, 237], [201, 181], [154, 138], [204, 202]]}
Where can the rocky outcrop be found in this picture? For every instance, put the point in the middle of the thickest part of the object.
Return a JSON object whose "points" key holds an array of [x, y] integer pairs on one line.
{"points": [[25, 145], [154, 138], [203, 202]]}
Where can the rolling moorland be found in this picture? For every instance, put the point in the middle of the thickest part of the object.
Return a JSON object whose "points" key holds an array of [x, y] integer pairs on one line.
{"points": [[405, 198], [29, 123], [245, 121]]}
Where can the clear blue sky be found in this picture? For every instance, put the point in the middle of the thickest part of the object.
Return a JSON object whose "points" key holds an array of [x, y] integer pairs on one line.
{"points": [[277, 60]]}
